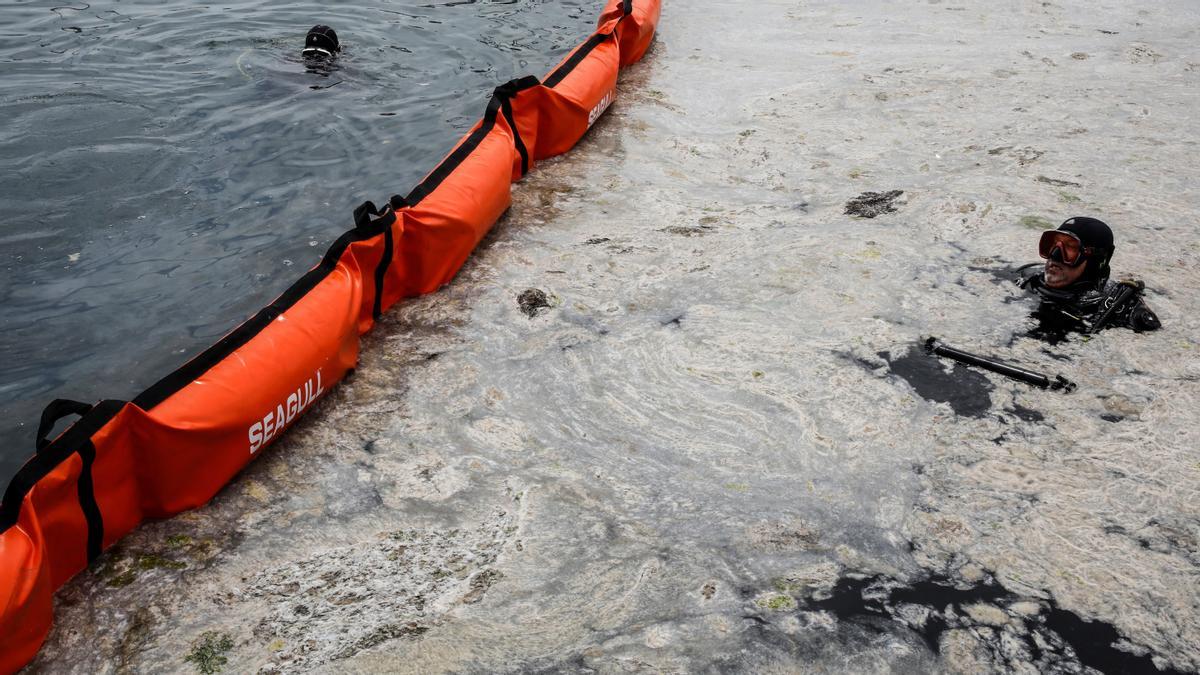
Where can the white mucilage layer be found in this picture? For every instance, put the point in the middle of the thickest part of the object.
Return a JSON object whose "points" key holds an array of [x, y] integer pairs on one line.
{"points": [[698, 435]]}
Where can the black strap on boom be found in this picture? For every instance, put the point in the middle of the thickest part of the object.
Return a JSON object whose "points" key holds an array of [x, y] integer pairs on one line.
{"points": [[76, 440], [365, 212], [52, 413], [367, 217]]}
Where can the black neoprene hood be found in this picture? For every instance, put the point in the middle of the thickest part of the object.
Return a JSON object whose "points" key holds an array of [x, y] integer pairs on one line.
{"points": [[322, 38], [1096, 234]]}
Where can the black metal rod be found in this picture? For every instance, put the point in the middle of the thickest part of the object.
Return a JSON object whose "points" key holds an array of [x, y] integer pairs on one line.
{"points": [[936, 347]]}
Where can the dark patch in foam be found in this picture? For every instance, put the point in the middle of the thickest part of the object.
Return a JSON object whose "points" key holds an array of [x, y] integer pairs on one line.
{"points": [[1027, 414], [1006, 274], [1053, 639], [965, 390], [1057, 357], [532, 300], [872, 204]]}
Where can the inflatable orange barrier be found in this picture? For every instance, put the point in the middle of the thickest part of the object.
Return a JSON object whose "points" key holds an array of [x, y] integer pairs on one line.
{"points": [[179, 442]]}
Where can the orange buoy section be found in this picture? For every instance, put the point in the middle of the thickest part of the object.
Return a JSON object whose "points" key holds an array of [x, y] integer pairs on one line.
{"points": [[176, 444]]}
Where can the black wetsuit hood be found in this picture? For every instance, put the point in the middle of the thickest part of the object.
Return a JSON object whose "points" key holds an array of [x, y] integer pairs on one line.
{"points": [[321, 41], [1097, 234]]}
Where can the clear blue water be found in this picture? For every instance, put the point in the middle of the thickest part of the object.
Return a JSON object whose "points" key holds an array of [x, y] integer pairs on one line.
{"points": [[167, 168]]}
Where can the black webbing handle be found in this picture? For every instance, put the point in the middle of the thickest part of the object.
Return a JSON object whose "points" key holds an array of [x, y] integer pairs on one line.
{"points": [[364, 213], [58, 409]]}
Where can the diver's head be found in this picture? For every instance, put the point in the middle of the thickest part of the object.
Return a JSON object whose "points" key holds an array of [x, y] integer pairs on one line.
{"points": [[321, 43], [1077, 252]]}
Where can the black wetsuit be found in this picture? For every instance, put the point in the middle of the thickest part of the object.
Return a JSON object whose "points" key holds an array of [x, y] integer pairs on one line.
{"points": [[1077, 307]]}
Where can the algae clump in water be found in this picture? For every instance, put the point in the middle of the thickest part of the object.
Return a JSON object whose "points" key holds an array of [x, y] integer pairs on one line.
{"points": [[208, 653], [778, 603], [1036, 223]]}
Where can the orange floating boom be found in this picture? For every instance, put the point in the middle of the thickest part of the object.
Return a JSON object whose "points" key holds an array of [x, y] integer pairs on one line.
{"points": [[179, 442]]}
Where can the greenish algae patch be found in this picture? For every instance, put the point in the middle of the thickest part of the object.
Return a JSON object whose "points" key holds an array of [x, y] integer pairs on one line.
{"points": [[178, 540], [209, 652], [119, 572], [788, 585], [778, 603], [122, 580], [151, 561], [1036, 223]]}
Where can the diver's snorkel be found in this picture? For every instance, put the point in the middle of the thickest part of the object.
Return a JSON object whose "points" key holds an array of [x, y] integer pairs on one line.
{"points": [[321, 43]]}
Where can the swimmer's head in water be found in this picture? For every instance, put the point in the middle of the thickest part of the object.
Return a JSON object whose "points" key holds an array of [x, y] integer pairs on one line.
{"points": [[322, 43], [1078, 251]]}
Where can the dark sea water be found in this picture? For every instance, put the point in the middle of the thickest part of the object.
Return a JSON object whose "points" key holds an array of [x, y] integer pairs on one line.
{"points": [[166, 168]]}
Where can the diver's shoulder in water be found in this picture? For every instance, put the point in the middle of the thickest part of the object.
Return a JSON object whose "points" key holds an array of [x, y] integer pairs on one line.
{"points": [[1129, 308]]}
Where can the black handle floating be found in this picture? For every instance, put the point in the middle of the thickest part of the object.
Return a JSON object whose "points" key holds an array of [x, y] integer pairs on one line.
{"points": [[937, 348]]}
